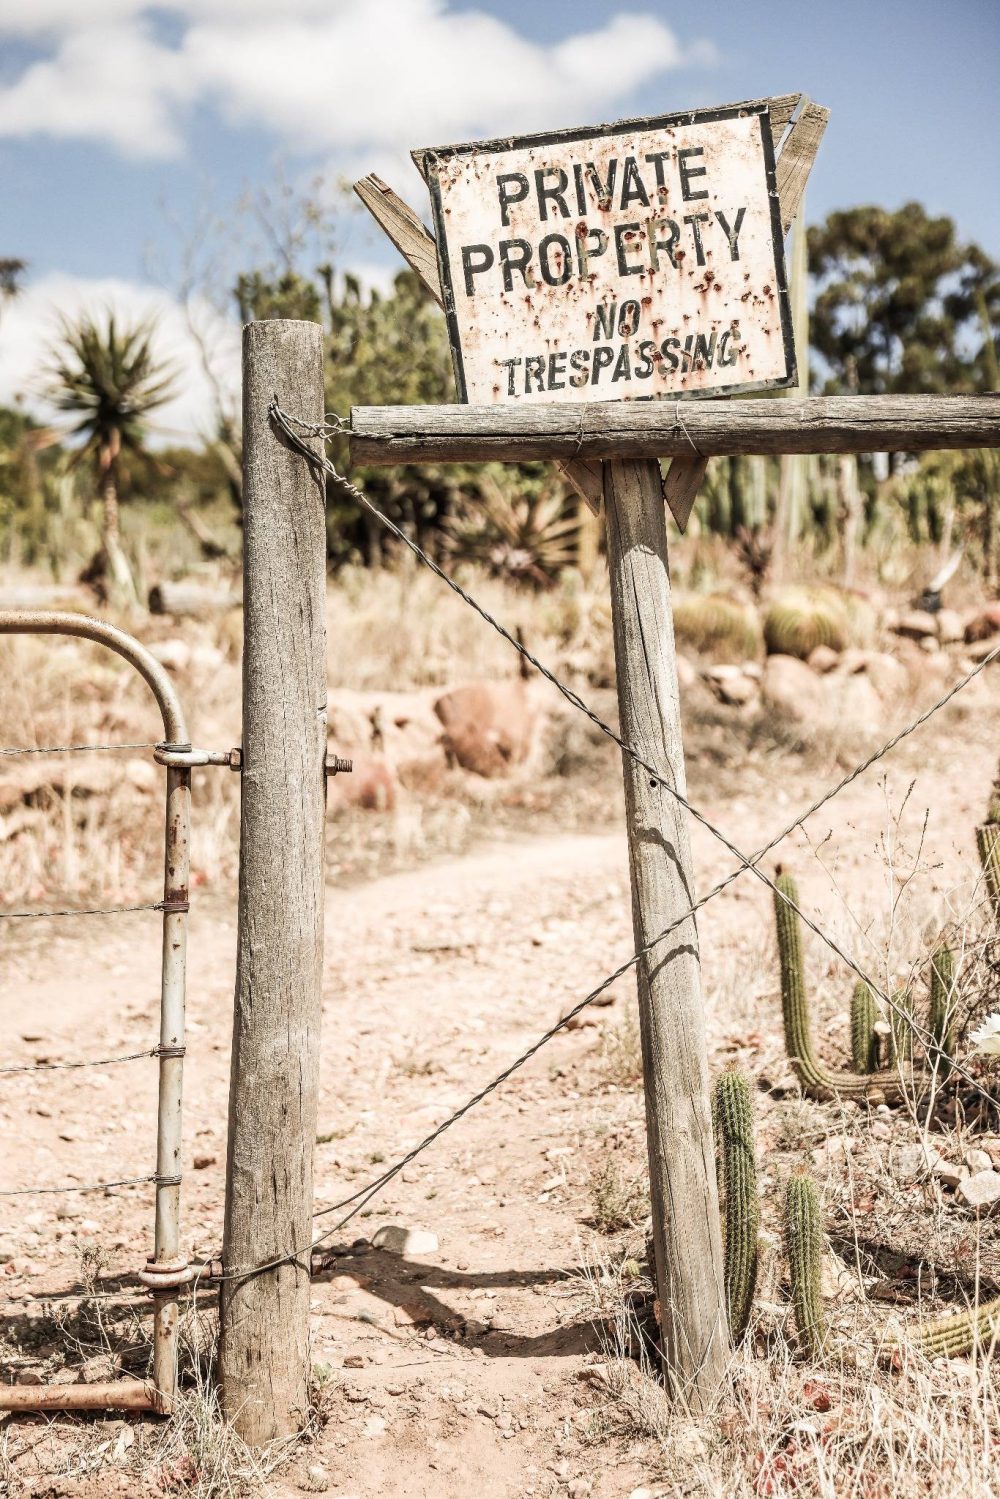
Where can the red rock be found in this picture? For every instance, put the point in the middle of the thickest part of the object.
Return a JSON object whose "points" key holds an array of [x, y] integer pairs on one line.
{"points": [[488, 726], [984, 624]]}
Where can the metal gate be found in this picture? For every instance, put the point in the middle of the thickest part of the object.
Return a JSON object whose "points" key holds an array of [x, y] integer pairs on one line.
{"points": [[166, 1270]]}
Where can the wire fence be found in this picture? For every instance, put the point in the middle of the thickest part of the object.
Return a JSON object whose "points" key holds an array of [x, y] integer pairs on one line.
{"points": [[295, 431]]}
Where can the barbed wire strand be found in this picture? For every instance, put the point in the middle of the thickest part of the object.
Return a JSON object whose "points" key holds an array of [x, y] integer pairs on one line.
{"points": [[76, 749], [365, 1194], [131, 1056], [325, 430], [154, 905], [129, 1181]]}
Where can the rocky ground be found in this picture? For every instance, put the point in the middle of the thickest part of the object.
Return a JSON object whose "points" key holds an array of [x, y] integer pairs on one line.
{"points": [[472, 1351]]}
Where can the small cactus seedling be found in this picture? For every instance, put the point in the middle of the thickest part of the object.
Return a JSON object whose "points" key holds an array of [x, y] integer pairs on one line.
{"points": [[804, 1248], [738, 1189], [942, 1018], [817, 1081], [864, 1038]]}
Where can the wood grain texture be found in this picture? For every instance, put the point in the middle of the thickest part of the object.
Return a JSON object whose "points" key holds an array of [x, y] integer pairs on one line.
{"points": [[264, 1350], [647, 429], [686, 1227], [797, 156], [419, 249], [681, 485], [404, 228]]}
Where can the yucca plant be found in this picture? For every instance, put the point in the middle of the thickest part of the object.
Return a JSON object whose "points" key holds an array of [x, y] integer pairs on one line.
{"points": [[528, 536], [107, 376]]}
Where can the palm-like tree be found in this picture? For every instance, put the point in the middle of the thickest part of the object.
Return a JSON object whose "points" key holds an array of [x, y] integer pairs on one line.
{"points": [[108, 377]]}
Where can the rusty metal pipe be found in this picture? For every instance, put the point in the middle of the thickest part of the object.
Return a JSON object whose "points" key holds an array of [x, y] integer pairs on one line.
{"points": [[119, 1395], [177, 854]]}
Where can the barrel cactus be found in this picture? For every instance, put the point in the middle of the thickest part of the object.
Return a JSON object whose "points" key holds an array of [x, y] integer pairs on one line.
{"points": [[734, 1136], [864, 1038], [804, 1248], [800, 619], [718, 626]]}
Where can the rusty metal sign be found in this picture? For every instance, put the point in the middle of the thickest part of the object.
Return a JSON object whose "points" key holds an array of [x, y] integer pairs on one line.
{"points": [[619, 262]]}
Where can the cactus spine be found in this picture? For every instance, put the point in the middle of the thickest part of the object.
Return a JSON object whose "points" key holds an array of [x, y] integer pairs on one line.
{"points": [[942, 1010], [738, 1189], [816, 1080], [804, 1247], [864, 1041], [901, 1016], [950, 1337]]}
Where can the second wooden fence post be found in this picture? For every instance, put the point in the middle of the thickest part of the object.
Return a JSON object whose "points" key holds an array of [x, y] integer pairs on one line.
{"points": [[686, 1229], [264, 1349]]}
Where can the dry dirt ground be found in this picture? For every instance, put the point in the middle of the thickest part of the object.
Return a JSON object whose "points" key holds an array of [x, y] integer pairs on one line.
{"points": [[457, 1371]]}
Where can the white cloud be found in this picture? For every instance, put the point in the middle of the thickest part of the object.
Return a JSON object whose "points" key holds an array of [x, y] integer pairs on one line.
{"points": [[29, 326], [110, 83], [330, 76]]}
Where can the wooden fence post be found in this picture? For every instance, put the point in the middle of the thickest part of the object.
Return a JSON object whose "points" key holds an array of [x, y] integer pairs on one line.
{"points": [[686, 1229], [264, 1348]]}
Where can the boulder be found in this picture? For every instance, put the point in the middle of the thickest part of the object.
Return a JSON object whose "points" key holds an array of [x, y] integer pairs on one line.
{"points": [[981, 1191], [823, 659], [370, 785], [396, 1239], [488, 726], [400, 729], [949, 626], [983, 624], [915, 624], [791, 688]]}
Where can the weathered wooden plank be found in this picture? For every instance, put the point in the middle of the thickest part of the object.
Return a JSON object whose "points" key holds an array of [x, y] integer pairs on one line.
{"points": [[686, 1233], [264, 1348], [797, 156], [404, 228], [650, 429], [681, 485], [419, 250]]}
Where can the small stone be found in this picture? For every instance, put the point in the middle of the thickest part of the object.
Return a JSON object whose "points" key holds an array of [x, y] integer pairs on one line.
{"points": [[950, 627], [915, 1161], [948, 1174], [375, 1426], [880, 1130], [505, 1421], [981, 1191], [978, 1160], [411, 1316], [579, 1488], [395, 1389], [823, 658], [100, 1370], [29, 1377], [354, 1361], [202, 1162], [399, 1240], [317, 1479]]}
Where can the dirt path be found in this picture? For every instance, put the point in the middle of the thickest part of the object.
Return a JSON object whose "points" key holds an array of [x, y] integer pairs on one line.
{"points": [[456, 1371]]}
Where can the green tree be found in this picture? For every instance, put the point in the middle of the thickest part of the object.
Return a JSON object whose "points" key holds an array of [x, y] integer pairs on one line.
{"points": [[902, 304], [109, 379]]}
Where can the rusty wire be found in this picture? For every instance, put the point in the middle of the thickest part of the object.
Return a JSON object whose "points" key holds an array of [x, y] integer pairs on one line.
{"points": [[131, 1056], [128, 1181], [76, 749], [155, 905], [358, 1200]]}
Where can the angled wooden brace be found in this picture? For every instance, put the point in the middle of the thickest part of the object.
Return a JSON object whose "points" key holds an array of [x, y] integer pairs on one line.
{"points": [[418, 249]]}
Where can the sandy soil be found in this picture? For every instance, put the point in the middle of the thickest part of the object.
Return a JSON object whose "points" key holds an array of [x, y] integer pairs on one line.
{"points": [[459, 1371]]}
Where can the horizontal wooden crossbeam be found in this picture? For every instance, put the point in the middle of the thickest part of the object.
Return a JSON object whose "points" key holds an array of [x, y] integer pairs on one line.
{"points": [[661, 429]]}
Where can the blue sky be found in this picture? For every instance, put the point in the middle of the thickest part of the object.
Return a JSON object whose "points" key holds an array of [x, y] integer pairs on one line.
{"points": [[120, 121]]}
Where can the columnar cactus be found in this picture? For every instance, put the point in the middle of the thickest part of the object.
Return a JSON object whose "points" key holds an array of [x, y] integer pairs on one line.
{"points": [[988, 841], [864, 1039], [942, 1017], [738, 1189], [952, 1336], [901, 1017], [817, 1081], [804, 1248]]}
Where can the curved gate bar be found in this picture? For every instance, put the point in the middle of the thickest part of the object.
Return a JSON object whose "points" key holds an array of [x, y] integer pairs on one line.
{"points": [[165, 1270]]}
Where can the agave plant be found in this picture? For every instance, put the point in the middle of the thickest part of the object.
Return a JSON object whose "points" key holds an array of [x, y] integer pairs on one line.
{"points": [[525, 535], [109, 379]]}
